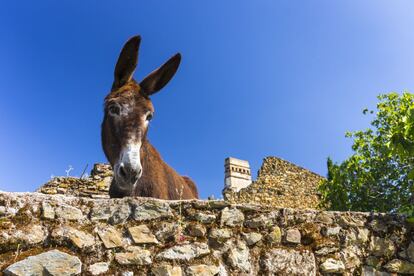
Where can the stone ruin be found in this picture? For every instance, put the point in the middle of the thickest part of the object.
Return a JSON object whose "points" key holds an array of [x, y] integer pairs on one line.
{"points": [[279, 184], [76, 231]]}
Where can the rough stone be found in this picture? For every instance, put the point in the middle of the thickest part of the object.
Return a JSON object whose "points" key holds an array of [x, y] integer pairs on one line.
{"points": [[68, 212], [204, 217], [202, 270], [134, 255], [48, 212], [98, 268], [257, 222], [184, 252], [289, 262], [151, 210], [400, 266], [252, 238], [370, 271], [166, 270], [231, 217], [110, 236], [382, 247], [293, 236], [196, 230], [168, 231], [78, 238], [142, 234], [220, 235], [275, 236], [53, 262], [332, 266], [331, 231], [33, 234], [410, 252], [239, 257]]}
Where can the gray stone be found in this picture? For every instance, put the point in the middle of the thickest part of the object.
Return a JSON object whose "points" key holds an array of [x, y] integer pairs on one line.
{"points": [[293, 236], [110, 236], [350, 258], [400, 266], [252, 238], [231, 217], [370, 271], [168, 231], [68, 212], [205, 218], [239, 257], [120, 214], [166, 270], [257, 222], [218, 235], [196, 230], [332, 266], [202, 270], [410, 252], [31, 235], [326, 250], [184, 252], [98, 268], [142, 234], [48, 212], [289, 262], [114, 214], [331, 231], [151, 210], [135, 255], [382, 247], [54, 262]]}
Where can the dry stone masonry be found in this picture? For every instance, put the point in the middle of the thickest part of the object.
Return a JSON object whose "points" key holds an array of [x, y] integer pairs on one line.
{"points": [[96, 185], [279, 184], [65, 235]]}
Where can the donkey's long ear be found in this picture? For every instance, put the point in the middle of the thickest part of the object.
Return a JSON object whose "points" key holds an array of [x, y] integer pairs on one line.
{"points": [[158, 78], [127, 62]]}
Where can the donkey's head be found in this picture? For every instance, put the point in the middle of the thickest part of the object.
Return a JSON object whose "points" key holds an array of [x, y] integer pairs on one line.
{"points": [[128, 111]]}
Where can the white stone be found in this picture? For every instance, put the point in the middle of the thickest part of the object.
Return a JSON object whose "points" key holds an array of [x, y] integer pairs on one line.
{"points": [[202, 270], [184, 252], [98, 268], [167, 270], [231, 217], [289, 262], [239, 257], [332, 266]]}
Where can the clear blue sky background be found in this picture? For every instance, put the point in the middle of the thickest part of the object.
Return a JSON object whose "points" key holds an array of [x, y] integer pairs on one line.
{"points": [[258, 78]]}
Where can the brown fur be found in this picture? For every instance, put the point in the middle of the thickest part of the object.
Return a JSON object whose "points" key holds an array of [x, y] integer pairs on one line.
{"points": [[158, 179]]}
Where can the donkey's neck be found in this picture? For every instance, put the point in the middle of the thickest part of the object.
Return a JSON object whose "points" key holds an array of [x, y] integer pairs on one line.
{"points": [[154, 181]]}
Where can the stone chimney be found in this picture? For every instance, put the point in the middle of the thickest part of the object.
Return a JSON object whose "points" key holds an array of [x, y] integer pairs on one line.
{"points": [[237, 174]]}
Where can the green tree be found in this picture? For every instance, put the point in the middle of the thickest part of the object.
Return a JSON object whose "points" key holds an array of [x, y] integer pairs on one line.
{"points": [[379, 175]]}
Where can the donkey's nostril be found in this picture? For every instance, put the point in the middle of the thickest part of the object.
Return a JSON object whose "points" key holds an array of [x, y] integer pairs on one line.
{"points": [[122, 172]]}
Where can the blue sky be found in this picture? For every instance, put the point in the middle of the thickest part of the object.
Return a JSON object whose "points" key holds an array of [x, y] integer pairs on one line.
{"points": [[258, 78]]}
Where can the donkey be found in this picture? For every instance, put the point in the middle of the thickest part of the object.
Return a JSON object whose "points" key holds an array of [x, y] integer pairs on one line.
{"points": [[137, 166]]}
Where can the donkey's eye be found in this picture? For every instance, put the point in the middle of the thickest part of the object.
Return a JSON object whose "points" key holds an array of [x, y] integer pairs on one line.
{"points": [[114, 109], [149, 116]]}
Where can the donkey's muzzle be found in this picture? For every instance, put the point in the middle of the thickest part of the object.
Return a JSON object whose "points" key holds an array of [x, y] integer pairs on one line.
{"points": [[127, 174]]}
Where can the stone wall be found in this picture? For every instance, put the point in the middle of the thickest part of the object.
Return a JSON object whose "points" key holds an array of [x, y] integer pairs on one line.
{"points": [[280, 184], [96, 185], [62, 235]]}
